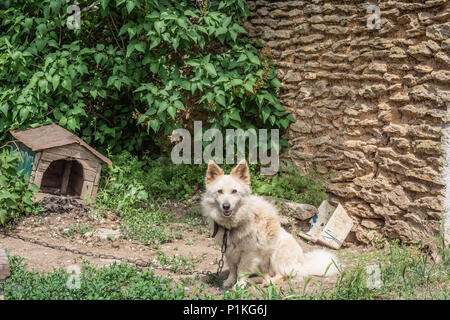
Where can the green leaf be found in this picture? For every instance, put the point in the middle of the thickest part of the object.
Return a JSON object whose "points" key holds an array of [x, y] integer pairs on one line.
{"points": [[265, 113], [259, 100], [253, 59], [42, 29], [248, 86], [67, 84], [125, 28], [272, 119], [236, 82], [24, 112], [236, 27], [179, 105], [220, 31], [242, 58], [154, 67], [176, 43], [171, 111], [182, 23], [159, 26], [98, 57], [105, 4], [221, 100], [4, 109], [233, 35], [235, 115], [209, 67], [43, 83], [155, 43], [284, 123], [276, 83], [55, 81], [142, 118], [63, 121], [130, 6], [291, 118], [163, 106], [140, 46], [154, 124], [72, 124], [130, 49], [34, 188]]}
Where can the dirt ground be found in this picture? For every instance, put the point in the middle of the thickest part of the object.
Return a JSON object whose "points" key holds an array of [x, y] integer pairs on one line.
{"points": [[55, 229]]}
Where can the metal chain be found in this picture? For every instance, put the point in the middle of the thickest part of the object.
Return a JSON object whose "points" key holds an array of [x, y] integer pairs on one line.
{"points": [[139, 263], [223, 249]]}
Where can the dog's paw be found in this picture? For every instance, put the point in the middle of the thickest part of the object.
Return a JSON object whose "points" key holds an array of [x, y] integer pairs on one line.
{"points": [[229, 282], [276, 280]]}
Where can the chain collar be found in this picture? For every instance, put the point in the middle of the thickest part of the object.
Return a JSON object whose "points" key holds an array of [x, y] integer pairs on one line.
{"points": [[223, 249]]}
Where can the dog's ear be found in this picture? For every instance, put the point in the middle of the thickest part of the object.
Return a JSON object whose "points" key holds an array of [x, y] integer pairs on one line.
{"points": [[212, 172], [241, 171]]}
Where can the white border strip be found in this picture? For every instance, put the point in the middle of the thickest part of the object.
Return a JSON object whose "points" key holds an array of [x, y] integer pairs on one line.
{"points": [[446, 148]]}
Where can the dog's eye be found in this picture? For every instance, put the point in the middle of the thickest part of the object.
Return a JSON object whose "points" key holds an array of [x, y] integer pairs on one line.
{"points": [[220, 191], [234, 191]]}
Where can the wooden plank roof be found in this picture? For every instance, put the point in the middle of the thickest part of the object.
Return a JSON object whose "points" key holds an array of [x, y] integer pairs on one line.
{"points": [[52, 136]]}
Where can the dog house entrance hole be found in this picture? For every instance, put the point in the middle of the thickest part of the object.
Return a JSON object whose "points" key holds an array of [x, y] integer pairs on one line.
{"points": [[63, 177]]}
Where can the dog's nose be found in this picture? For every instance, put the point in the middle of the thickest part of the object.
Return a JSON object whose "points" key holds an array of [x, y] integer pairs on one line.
{"points": [[226, 206]]}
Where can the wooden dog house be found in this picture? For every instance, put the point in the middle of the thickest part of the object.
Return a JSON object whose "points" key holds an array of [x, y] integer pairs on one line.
{"points": [[59, 162]]}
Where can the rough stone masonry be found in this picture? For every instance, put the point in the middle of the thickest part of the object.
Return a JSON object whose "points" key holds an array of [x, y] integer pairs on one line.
{"points": [[372, 104]]}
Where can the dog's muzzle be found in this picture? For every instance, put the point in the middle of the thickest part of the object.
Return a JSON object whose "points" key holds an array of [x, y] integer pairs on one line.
{"points": [[226, 209]]}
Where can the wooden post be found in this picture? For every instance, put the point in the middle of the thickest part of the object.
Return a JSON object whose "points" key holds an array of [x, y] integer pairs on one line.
{"points": [[65, 179]]}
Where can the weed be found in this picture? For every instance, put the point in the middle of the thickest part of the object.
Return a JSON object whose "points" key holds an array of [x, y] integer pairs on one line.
{"points": [[158, 179], [177, 263], [117, 281], [148, 227], [295, 186]]}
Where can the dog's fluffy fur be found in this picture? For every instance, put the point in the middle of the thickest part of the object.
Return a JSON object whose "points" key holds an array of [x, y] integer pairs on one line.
{"points": [[256, 241]]}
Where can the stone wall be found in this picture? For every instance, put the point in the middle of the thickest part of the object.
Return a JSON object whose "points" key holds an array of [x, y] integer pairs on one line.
{"points": [[371, 104]]}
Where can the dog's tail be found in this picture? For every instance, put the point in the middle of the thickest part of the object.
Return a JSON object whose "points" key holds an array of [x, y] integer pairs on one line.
{"points": [[318, 261]]}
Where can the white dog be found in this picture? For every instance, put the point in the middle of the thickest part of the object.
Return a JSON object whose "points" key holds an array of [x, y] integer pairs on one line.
{"points": [[256, 241]]}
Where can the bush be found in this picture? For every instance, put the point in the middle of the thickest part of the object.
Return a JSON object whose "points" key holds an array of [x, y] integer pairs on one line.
{"points": [[135, 70], [150, 179], [15, 197]]}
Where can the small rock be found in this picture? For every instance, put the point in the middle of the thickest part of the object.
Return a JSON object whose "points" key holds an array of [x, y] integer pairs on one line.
{"points": [[284, 221], [88, 234], [104, 233], [4, 266], [371, 223], [300, 211]]}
